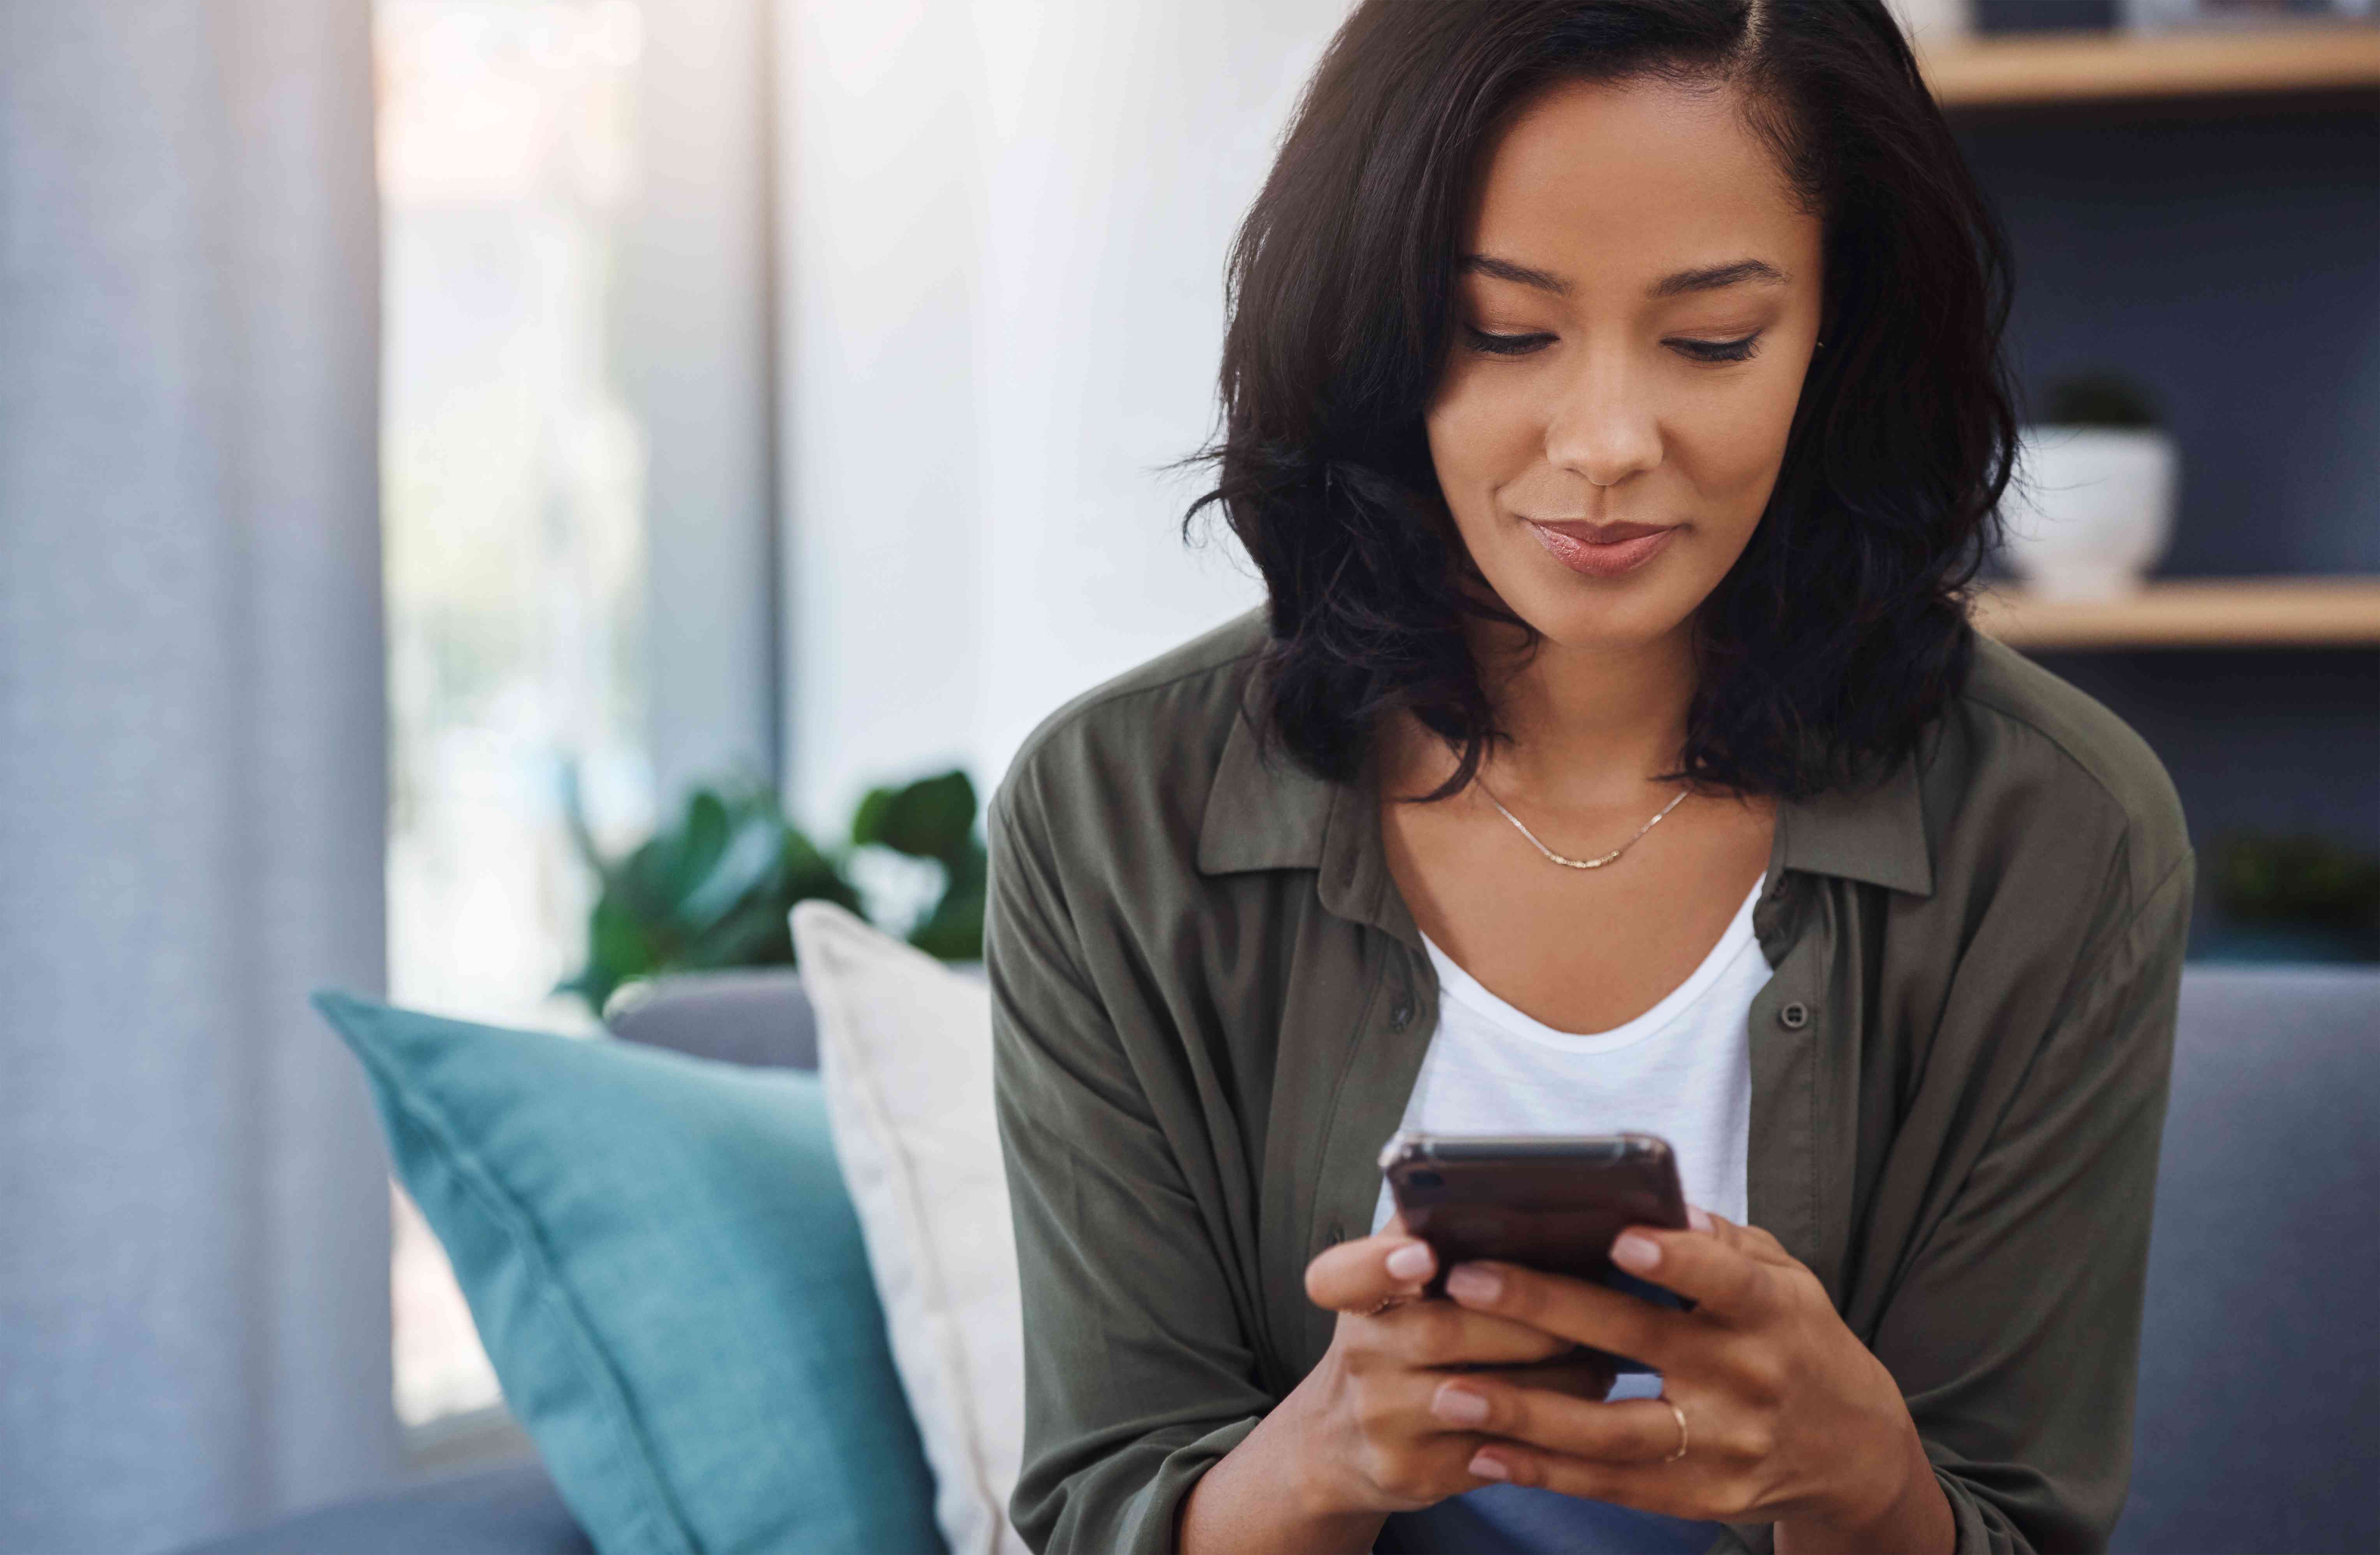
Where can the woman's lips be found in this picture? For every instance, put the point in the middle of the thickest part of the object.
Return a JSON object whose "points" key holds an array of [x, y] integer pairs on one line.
{"points": [[1602, 550]]}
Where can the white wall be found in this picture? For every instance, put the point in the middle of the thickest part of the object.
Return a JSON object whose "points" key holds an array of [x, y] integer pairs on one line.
{"points": [[696, 342], [1002, 293]]}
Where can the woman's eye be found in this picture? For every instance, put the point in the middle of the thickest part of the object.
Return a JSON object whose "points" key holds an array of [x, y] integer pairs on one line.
{"points": [[1506, 345], [1717, 350]]}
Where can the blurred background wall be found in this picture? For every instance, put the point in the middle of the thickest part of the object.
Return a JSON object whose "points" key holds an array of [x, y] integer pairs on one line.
{"points": [[1005, 233], [2231, 261]]}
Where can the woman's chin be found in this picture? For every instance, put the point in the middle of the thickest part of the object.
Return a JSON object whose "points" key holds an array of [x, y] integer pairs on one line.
{"points": [[1618, 615]]}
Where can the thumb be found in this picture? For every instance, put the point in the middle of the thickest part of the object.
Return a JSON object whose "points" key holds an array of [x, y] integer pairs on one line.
{"points": [[1357, 1275]]}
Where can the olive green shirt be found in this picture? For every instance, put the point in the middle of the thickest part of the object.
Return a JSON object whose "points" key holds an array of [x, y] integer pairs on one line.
{"points": [[1209, 1004]]}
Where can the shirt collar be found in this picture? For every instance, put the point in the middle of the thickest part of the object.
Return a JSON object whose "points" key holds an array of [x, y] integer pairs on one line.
{"points": [[1267, 813]]}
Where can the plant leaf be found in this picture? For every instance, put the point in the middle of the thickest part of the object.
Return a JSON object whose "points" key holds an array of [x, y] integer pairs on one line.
{"points": [[742, 868], [933, 818], [698, 843]]}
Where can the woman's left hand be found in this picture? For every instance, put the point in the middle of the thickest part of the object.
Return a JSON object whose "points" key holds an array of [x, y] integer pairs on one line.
{"points": [[1787, 1417]]}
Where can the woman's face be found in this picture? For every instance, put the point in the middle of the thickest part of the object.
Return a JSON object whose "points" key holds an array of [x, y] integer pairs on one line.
{"points": [[1639, 296]]}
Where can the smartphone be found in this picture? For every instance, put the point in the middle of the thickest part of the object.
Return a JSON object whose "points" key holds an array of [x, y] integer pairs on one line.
{"points": [[1544, 1202]]}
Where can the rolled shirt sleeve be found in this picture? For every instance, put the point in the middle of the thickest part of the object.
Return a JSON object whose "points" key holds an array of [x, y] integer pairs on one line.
{"points": [[2014, 1332], [1137, 1374]]}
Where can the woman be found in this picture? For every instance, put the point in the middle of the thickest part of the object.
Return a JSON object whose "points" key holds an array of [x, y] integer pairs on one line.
{"points": [[1613, 407]]}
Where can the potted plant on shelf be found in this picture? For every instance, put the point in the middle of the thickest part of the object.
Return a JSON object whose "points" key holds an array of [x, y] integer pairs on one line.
{"points": [[2090, 509], [2280, 898]]}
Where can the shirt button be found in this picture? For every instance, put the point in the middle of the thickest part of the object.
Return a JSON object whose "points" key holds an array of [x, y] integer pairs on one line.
{"points": [[1400, 1014], [1794, 1017], [1337, 1234]]}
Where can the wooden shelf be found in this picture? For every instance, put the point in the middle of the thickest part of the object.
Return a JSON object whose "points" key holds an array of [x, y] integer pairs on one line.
{"points": [[2021, 70], [2208, 613]]}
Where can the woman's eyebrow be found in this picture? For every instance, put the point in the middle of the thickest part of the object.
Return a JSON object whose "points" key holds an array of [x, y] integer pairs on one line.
{"points": [[1703, 278], [1712, 277], [1519, 274]]}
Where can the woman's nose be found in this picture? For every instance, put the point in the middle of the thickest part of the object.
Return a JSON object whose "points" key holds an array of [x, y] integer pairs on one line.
{"points": [[1603, 428]]}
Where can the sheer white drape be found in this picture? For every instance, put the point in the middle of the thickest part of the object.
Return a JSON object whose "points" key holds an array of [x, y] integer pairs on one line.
{"points": [[193, 1216]]}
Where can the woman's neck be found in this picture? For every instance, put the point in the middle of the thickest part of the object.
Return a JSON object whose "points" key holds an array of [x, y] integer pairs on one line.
{"points": [[1589, 726]]}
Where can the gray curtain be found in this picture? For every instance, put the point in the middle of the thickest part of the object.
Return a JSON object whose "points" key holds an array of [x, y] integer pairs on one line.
{"points": [[193, 1215]]}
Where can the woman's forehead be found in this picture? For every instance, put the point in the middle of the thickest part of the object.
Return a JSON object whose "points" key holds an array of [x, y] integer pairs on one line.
{"points": [[1639, 181]]}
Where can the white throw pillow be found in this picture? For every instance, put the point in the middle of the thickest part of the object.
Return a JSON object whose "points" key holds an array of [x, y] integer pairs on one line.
{"points": [[905, 1055]]}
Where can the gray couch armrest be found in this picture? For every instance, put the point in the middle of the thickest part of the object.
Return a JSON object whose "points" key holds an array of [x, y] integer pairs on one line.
{"points": [[2260, 1362], [759, 1018]]}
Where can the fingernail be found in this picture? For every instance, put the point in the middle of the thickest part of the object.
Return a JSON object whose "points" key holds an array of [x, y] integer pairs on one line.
{"points": [[1458, 1406], [1486, 1467], [1696, 1218], [1470, 1282], [1639, 1254], [1411, 1261]]}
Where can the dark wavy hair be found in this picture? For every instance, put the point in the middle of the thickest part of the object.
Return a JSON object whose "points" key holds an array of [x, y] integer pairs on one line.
{"points": [[1842, 628]]}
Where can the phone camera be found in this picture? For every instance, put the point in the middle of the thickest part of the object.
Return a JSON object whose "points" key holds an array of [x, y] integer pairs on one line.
{"points": [[1424, 1178]]}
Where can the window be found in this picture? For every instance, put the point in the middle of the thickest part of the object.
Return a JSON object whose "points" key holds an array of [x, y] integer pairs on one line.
{"points": [[512, 478]]}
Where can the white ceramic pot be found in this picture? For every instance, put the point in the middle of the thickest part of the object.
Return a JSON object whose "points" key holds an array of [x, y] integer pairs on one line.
{"points": [[2091, 510]]}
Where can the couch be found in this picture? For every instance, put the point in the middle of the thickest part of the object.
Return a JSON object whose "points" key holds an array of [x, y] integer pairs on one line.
{"points": [[2259, 1417]]}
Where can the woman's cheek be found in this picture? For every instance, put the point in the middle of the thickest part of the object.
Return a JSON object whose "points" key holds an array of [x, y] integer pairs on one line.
{"points": [[1463, 435], [1483, 434], [1731, 457]]}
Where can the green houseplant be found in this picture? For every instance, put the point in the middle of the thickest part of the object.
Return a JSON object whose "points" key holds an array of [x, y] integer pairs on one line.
{"points": [[712, 888]]}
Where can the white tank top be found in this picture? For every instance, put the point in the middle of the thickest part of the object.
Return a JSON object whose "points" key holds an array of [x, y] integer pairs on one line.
{"points": [[1681, 1070]]}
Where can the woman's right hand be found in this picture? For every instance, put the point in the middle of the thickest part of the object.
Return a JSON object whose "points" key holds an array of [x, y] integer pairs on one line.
{"points": [[1370, 1441], [1356, 1440]]}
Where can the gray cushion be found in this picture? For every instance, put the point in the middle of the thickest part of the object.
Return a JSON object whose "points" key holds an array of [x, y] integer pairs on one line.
{"points": [[2260, 1357], [759, 1018], [509, 1510]]}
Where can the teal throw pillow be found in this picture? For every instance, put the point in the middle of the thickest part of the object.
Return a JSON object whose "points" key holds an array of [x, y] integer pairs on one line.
{"points": [[668, 1275]]}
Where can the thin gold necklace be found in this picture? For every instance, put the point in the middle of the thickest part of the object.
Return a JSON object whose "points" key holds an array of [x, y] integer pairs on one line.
{"points": [[1577, 863]]}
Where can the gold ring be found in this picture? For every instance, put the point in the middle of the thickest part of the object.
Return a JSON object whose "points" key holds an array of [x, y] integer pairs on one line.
{"points": [[1682, 1431]]}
